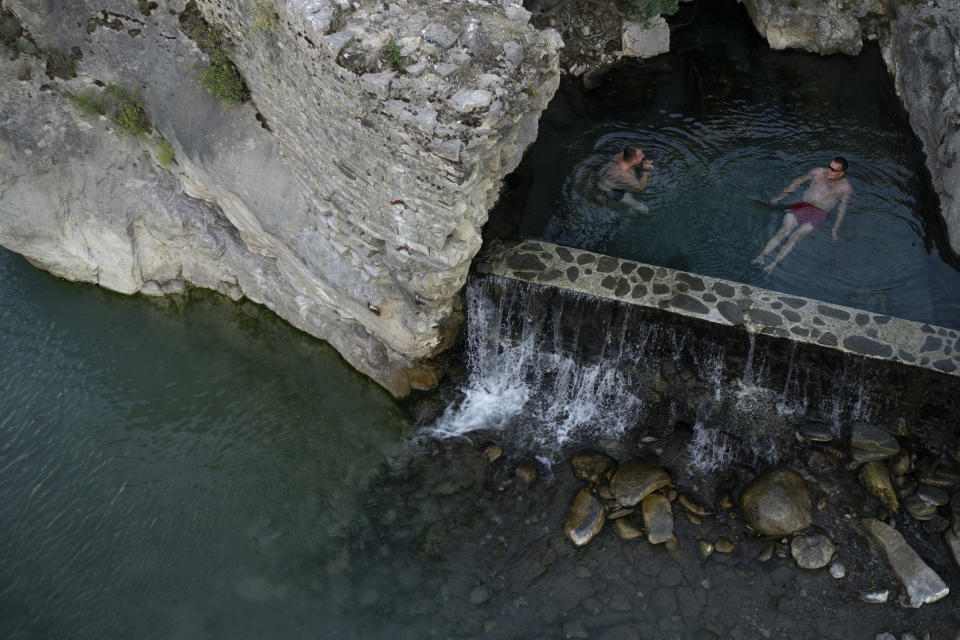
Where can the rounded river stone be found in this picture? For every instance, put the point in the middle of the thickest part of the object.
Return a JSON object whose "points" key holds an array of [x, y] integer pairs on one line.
{"points": [[586, 518], [635, 480], [657, 518], [777, 503], [812, 552], [593, 466]]}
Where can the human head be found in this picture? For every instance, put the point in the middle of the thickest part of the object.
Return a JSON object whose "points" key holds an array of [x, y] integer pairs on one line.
{"points": [[840, 162], [630, 153]]}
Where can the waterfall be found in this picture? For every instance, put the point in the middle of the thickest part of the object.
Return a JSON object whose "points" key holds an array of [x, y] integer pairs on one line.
{"points": [[548, 368], [523, 379]]}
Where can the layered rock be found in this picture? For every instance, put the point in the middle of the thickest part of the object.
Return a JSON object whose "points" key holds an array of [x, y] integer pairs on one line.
{"points": [[348, 196], [921, 54]]}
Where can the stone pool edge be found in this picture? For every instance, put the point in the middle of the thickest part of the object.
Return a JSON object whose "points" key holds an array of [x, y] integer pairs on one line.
{"points": [[724, 302]]}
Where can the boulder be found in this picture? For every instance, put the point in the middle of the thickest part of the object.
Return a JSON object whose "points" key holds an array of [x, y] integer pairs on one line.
{"points": [[586, 518], [645, 40], [812, 25], [777, 503], [921, 583], [635, 480]]}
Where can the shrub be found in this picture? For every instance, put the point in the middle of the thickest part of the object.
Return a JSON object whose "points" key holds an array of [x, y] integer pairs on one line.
{"points": [[59, 65], [89, 102], [128, 112], [10, 28], [222, 78], [646, 9], [165, 152]]}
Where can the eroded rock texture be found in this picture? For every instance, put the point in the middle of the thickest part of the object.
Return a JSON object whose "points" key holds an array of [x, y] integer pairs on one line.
{"points": [[347, 195]]}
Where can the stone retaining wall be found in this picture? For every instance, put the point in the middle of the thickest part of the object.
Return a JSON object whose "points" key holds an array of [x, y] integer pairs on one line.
{"points": [[723, 302]]}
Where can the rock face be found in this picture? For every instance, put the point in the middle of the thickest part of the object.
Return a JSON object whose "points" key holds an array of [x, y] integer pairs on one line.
{"points": [[921, 54], [813, 25], [921, 583], [347, 196], [919, 42], [777, 503]]}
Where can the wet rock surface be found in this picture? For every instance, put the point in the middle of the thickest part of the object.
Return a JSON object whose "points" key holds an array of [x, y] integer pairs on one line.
{"points": [[777, 503]]}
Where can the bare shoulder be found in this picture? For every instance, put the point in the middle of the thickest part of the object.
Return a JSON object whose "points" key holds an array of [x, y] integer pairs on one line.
{"points": [[845, 186]]}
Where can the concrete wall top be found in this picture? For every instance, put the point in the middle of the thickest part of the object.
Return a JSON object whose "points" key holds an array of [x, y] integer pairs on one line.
{"points": [[724, 302]]}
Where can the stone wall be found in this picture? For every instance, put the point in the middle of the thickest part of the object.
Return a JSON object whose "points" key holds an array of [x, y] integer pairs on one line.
{"points": [[348, 196], [919, 41]]}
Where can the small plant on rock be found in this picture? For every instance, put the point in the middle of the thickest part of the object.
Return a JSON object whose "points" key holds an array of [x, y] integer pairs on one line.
{"points": [[165, 153], [264, 17], [60, 65], [128, 112], [391, 56], [223, 80], [89, 102]]}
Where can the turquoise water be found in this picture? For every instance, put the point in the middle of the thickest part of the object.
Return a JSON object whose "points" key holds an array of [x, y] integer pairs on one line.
{"points": [[172, 471], [729, 123]]}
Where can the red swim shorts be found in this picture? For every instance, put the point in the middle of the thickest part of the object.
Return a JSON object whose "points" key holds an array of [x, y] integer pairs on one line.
{"points": [[806, 212]]}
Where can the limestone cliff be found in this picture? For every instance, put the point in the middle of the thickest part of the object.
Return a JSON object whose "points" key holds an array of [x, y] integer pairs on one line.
{"points": [[347, 194], [920, 41]]}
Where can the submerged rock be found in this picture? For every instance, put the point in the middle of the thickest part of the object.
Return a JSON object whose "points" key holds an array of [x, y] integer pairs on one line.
{"points": [[626, 529], [593, 466], [657, 518], [918, 508], [921, 583], [875, 477], [777, 503], [586, 518], [870, 438], [635, 480], [812, 552]]}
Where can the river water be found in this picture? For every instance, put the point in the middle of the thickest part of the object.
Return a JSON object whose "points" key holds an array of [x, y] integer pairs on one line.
{"points": [[195, 468]]}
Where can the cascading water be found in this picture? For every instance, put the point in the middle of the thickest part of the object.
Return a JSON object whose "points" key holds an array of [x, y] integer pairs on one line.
{"points": [[550, 368], [522, 381]]}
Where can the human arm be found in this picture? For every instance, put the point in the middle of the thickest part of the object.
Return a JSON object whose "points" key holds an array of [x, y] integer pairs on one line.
{"points": [[793, 185], [844, 201], [641, 182]]}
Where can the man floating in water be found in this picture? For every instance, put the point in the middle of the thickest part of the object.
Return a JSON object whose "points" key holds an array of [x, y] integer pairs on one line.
{"points": [[827, 187], [619, 175]]}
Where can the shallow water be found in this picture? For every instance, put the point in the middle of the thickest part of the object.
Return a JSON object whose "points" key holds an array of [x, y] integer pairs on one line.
{"points": [[200, 469], [729, 123]]}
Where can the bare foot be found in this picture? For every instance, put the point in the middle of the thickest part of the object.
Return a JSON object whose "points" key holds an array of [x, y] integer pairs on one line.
{"points": [[757, 260], [769, 268]]}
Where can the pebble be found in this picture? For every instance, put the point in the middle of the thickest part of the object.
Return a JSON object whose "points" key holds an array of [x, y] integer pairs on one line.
{"points": [[706, 548], [766, 553], [877, 596], [932, 495], [837, 570], [493, 452], [722, 545]]}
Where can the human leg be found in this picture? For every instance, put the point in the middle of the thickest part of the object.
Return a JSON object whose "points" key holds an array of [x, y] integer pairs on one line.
{"points": [[634, 203], [789, 224], [795, 237]]}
